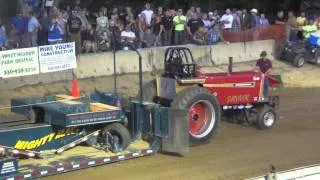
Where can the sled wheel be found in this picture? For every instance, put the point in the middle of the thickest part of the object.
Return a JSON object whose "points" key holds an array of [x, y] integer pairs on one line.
{"points": [[204, 113], [36, 115], [119, 132], [266, 117]]}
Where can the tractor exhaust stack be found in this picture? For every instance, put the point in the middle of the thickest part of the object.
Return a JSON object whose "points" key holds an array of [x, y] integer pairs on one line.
{"points": [[230, 66]]}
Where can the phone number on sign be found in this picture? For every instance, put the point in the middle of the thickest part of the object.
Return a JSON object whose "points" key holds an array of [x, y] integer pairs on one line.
{"points": [[19, 71], [53, 68]]}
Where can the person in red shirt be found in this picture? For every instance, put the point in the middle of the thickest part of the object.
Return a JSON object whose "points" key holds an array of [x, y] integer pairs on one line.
{"points": [[264, 65]]}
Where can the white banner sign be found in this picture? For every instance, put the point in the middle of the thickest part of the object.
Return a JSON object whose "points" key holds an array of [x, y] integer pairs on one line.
{"points": [[19, 62], [57, 57]]}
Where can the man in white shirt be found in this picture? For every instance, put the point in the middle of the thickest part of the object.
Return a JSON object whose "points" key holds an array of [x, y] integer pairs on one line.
{"points": [[227, 19], [149, 14], [128, 36]]}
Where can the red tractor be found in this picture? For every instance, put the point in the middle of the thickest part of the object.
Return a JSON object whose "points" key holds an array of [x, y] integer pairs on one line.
{"points": [[209, 96]]}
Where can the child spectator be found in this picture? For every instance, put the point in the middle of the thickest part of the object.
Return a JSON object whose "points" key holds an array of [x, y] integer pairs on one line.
{"points": [[90, 44], [54, 34], [104, 41]]}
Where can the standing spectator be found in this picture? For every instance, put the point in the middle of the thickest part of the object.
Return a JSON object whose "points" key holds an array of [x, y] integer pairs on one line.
{"points": [[206, 22], [43, 33], [280, 19], [73, 29], [33, 28], [3, 37], [216, 15], [167, 22], [215, 36], [148, 14], [199, 37], [192, 9], [128, 37], [142, 25], [291, 31], [227, 20], [236, 25], [198, 12], [179, 22], [212, 19], [254, 18], [102, 21], [54, 34], [115, 33], [263, 22], [118, 22], [301, 20], [133, 25], [18, 24], [157, 29], [149, 39], [62, 21], [245, 20], [194, 24], [77, 6], [113, 12], [160, 12], [90, 45]]}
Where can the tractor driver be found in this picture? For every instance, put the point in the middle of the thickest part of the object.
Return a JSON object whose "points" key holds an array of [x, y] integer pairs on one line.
{"points": [[264, 65]]}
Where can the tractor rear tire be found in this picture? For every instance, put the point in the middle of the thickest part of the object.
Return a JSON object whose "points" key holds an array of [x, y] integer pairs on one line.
{"points": [[204, 113], [149, 91], [299, 60], [119, 130], [266, 117]]}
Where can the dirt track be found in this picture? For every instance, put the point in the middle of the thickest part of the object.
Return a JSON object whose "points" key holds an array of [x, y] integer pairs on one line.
{"points": [[238, 152]]}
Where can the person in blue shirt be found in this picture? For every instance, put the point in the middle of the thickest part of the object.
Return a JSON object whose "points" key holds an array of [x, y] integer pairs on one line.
{"points": [[215, 36], [263, 22], [19, 24], [3, 36], [33, 28], [255, 18], [54, 34]]}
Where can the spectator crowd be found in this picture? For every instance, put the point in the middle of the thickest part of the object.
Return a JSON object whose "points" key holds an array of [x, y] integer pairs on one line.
{"points": [[105, 30]]}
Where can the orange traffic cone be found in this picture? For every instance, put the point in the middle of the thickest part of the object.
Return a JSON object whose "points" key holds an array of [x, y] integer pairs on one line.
{"points": [[75, 88]]}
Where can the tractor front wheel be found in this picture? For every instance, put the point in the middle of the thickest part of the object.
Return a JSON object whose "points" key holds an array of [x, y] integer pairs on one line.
{"points": [[204, 113], [266, 118]]}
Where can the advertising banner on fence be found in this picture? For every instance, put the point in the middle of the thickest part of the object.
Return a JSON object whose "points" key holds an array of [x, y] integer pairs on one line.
{"points": [[19, 62], [57, 57]]}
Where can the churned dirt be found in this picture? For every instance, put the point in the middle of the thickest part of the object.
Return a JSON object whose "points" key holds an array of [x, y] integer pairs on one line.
{"points": [[237, 152]]}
